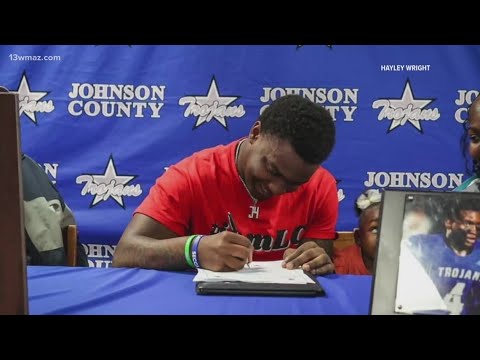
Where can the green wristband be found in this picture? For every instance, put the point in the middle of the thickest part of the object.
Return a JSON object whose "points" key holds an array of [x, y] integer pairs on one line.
{"points": [[188, 256]]}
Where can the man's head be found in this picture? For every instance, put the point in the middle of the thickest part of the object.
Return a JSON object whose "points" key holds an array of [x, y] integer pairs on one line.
{"points": [[463, 224], [474, 129], [366, 236], [471, 136], [288, 142]]}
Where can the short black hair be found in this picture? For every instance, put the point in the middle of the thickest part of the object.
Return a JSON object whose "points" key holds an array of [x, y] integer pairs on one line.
{"points": [[308, 127], [463, 203]]}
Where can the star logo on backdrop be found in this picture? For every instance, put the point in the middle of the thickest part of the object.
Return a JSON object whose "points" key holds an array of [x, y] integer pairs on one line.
{"points": [[211, 106], [29, 101], [109, 185], [406, 109]]}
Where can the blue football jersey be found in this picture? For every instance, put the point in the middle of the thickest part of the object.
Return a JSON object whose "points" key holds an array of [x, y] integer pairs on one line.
{"points": [[457, 278]]}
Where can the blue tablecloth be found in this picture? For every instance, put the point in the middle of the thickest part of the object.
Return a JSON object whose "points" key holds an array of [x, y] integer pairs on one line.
{"points": [[66, 290]]}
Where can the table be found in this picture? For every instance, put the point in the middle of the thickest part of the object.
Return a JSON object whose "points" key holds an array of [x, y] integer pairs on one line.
{"points": [[93, 291]]}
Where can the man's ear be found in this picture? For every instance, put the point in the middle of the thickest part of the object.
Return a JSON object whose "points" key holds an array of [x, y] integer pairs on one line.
{"points": [[356, 236], [255, 132]]}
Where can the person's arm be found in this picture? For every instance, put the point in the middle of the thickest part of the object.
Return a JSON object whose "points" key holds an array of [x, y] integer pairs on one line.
{"points": [[139, 246], [155, 237], [315, 250], [148, 244]]}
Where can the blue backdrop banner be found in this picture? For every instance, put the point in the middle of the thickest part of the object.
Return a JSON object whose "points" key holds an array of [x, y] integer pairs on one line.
{"points": [[106, 121]]}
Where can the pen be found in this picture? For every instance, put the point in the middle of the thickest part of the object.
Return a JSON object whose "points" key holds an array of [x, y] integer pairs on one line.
{"points": [[233, 228]]}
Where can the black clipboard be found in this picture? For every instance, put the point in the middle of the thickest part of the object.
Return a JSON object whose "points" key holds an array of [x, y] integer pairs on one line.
{"points": [[260, 289]]}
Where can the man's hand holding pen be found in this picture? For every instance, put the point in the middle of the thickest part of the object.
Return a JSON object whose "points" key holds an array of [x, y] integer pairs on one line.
{"points": [[225, 251], [233, 228]]}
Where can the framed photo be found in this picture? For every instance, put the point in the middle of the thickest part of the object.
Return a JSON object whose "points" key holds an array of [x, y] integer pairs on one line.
{"points": [[428, 259]]}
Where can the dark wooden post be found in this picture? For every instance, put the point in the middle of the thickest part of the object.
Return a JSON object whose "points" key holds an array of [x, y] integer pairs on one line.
{"points": [[13, 279]]}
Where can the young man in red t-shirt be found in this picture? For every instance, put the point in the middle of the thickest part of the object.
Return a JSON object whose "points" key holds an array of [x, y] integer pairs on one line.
{"points": [[267, 190]]}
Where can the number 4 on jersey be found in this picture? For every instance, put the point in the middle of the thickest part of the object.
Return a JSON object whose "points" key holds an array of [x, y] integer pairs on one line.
{"points": [[453, 299]]}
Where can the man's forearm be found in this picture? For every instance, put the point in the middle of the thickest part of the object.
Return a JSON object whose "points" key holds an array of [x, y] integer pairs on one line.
{"points": [[149, 253]]}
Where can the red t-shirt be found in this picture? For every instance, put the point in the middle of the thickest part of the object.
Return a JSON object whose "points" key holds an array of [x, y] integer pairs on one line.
{"points": [[348, 261], [195, 195]]}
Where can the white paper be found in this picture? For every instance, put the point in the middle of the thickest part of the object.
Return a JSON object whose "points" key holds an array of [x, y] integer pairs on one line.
{"points": [[416, 292], [259, 272]]}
